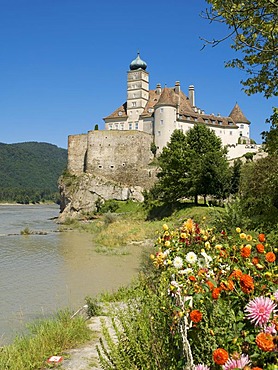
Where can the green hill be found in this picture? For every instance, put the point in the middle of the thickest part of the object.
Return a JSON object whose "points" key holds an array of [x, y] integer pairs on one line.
{"points": [[29, 171]]}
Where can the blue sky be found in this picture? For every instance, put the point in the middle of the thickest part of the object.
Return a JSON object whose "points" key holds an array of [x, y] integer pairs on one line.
{"points": [[64, 63]]}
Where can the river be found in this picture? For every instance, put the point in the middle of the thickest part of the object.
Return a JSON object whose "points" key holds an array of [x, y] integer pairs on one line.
{"points": [[40, 274]]}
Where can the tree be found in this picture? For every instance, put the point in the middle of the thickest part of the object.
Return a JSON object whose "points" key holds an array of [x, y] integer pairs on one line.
{"points": [[173, 162], [253, 27], [209, 169], [259, 192], [191, 165], [271, 137]]}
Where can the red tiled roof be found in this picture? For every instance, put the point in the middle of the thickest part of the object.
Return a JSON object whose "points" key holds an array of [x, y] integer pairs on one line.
{"points": [[237, 115]]}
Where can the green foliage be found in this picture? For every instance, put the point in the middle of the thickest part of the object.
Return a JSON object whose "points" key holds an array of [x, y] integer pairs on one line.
{"points": [[46, 338], [143, 337], [110, 205], [249, 156], [259, 192], [253, 30], [29, 171], [235, 178], [191, 165], [94, 308], [271, 137]]}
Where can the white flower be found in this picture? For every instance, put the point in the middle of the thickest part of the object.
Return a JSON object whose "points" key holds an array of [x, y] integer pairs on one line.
{"points": [[191, 257], [205, 261], [187, 271], [178, 262], [167, 252]]}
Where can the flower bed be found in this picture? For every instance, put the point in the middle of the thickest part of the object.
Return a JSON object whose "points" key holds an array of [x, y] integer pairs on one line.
{"points": [[223, 295]]}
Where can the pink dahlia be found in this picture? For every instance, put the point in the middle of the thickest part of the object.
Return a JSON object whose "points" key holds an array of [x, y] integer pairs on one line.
{"points": [[201, 367], [259, 310], [237, 364]]}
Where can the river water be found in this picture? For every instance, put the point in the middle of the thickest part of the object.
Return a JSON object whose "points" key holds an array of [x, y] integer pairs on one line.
{"points": [[40, 274]]}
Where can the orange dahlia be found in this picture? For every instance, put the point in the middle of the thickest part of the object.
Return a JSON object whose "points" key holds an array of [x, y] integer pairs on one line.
{"points": [[210, 285], [216, 293], [236, 274], [260, 248], [246, 283], [245, 252], [270, 257], [255, 260], [195, 316], [261, 238], [220, 356], [265, 342], [227, 285], [257, 368]]}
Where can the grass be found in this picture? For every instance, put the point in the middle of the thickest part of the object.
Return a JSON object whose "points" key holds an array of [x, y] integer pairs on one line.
{"points": [[45, 338], [129, 224]]}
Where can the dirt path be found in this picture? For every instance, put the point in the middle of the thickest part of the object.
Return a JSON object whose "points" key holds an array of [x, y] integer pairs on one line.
{"points": [[86, 357]]}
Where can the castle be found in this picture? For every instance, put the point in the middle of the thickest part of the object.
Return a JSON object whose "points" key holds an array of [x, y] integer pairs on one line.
{"points": [[117, 163], [122, 151]]}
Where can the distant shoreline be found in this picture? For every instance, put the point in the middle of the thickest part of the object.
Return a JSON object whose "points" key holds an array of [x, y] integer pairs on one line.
{"points": [[30, 204]]}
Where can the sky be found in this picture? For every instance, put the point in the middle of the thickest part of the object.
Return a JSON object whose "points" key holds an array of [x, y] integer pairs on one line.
{"points": [[64, 63]]}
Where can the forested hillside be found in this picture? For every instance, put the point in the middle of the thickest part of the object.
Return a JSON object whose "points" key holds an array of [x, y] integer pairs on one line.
{"points": [[29, 171]]}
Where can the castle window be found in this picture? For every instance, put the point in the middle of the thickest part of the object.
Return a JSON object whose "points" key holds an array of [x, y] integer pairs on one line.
{"points": [[219, 122], [130, 126], [111, 166], [231, 132], [110, 126], [241, 126], [120, 113], [134, 103], [158, 133], [116, 126], [122, 126], [161, 121], [240, 134], [136, 125], [161, 110], [100, 166]]}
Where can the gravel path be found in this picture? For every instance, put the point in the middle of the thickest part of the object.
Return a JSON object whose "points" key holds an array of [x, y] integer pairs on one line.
{"points": [[86, 357]]}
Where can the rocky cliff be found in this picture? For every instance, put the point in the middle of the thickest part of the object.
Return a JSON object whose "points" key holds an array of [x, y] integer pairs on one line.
{"points": [[80, 195]]}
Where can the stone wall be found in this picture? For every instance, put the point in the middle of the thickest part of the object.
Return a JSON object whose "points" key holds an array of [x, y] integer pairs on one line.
{"points": [[77, 149], [122, 156]]}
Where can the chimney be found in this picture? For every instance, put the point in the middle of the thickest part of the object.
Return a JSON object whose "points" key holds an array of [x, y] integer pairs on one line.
{"points": [[158, 89], [177, 87], [191, 95]]}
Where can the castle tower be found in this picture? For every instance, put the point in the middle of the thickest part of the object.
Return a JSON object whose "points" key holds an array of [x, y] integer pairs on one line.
{"points": [[137, 92], [241, 121]]}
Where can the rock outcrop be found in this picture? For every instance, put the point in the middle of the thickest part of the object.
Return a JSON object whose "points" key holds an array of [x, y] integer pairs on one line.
{"points": [[81, 195]]}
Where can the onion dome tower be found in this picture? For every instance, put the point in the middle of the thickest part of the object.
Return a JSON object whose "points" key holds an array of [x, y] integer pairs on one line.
{"points": [[138, 63], [137, 92]]}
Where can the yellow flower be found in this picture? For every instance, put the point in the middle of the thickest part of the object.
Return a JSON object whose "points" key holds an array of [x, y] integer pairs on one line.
{"points": [[165, 227], [207, 245], [152, 256], [238, 230], [249, 246], [205, 237], [166, 233], [218, 246], [242, 236], [249, 238], [183, 235], [167, 243]]}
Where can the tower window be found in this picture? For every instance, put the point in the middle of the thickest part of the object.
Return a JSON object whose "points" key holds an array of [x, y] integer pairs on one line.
{"points": [[161, 110], [161, 121], [130, 126], [136, 125], [134, 103]]}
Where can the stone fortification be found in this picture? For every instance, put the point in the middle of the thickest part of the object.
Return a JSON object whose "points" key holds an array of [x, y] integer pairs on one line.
{"points": [[105, 165]]}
